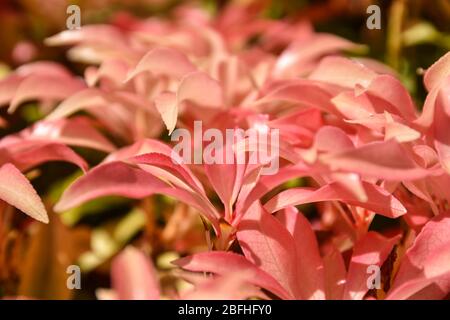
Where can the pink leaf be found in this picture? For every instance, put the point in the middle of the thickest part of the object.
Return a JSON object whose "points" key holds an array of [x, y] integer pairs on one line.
{"points": [[196, 87], [268, 244], [354, 106], [232, 286], [310, 269], [222, 263], [139, 148], [441, 124], [113, 178], [267, 183], [343, 72], [226, 179], [392, 91], [121, 179], [335, 274], [16, 190], [76, 132], [27, 153], [378, 200], [437, 72], [332, 139], [177, 173], [201, 89], [298, 57], [164, 61], [49, 68], [423, 264], [372, 249], [88, 98], [134, 277], [44, 87], [305, 93], [95, 34], [8, 87], [114, 70], [167, 105], [398, 131], [384, 160]]}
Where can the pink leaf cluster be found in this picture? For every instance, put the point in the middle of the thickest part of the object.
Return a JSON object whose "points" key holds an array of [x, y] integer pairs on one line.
{"points": [[347, 126]]}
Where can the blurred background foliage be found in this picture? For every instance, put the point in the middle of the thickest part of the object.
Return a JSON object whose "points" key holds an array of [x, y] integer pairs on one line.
{"points": [[414, 34]]}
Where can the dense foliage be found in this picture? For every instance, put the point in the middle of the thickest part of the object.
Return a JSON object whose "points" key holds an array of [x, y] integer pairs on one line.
{"points": [[363, 178]]}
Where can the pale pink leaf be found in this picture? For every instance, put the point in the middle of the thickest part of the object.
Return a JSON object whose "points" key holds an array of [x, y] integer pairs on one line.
{"points": [[371, 250], [43, 87], [114, 70], [226, 179], [423, 264], [335, 274], [201, 89], [269, 245], [267, 183], [305, 93], [437, 72], [231, 286], [343, 72], [332, 139], [384, 160], [441, 124], [378, 199], [75, 131], [8, 87], [16, 190], [392, 91], [310, 268], [113, 178], [176, 171], [88, 98], [94, 34], [167, 105], [222, 263], [164, 61], [134, 277], [139, 148], [297, 59], [28, 153]]}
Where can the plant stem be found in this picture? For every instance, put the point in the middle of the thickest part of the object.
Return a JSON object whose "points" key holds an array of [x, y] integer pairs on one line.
{"points": [[394, 33]]}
